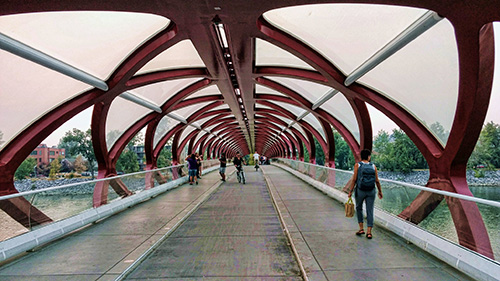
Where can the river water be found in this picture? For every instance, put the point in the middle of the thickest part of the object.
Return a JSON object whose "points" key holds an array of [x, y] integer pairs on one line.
{"points": [[395, 200]]}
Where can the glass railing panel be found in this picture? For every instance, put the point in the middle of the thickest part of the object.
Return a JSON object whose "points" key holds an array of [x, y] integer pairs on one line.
{"points": [[398, 196], [61, 202], [9, 227]]}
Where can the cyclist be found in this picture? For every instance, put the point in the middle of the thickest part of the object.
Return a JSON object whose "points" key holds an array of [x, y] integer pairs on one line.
{"points": [[237, 161], [256, 160]]}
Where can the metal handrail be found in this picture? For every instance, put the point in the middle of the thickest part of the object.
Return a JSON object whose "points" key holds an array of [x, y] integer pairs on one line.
{"points": [[10, 196], [442, 192]]}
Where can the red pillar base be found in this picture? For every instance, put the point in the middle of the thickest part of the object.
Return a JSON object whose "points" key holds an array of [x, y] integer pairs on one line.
{"points": [[471, 231], [23, 212]]}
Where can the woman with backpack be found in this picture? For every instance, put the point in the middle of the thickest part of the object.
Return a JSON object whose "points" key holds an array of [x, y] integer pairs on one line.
{"points": [[364, 179]]}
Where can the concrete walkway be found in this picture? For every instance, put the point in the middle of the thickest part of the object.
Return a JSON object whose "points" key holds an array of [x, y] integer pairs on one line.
{"points": [[104, 250], [328, 247], [235, 235]]}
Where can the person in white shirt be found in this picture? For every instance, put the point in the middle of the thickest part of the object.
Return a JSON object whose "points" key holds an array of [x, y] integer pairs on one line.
{"points": [[256, 158]]}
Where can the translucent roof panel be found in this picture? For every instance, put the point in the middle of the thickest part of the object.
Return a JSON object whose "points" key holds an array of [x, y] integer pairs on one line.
{"points": [[314, 122], [380, 121], [207, 91], [339, 107], [299, 128], [199, 136], [346, 34], [186, 132], [268, 54], [209, 128], [222, 106], [260, 89], [164, 126], [83, 39], [185, 112], [203, 120], [292, 108], [159, 93], [258, 105], [180, 55], [122, 114], [309, 90], [23, 100], [422, 73]]}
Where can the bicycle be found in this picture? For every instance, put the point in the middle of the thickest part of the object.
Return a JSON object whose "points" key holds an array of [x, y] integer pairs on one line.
{"points": [[257, 167], [240, 174]]}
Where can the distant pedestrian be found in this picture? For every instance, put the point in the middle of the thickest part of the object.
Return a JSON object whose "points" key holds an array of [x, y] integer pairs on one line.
{"points": [[198, 162], [192, 168], [364, 180], [222, 168]]}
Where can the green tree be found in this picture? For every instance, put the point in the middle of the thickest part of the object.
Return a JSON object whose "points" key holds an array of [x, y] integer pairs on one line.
{"points": [[25, 169], [77, 142], [404, 154], [128, 162], [55, 166], [396, 152], [320, 154], [487, 150], [306, 153], [382, 151], [440, 132], [79, 164], [165, 158], [344, 159]]}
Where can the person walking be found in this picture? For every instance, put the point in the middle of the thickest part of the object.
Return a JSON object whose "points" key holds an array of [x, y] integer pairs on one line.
{"points": [[198, 163], [192, 168], [364, 180], [222, 168]]}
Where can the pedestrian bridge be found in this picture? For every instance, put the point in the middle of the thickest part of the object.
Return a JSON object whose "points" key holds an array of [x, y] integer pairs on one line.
{"points": [[281, 225], [288, 80]]}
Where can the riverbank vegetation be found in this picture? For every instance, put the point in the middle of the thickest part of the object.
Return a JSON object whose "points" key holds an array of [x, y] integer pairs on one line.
{"points": [[396, 152]]}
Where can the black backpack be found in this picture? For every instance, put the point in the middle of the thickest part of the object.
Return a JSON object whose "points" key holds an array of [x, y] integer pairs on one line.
{"points": [[366, 176]]}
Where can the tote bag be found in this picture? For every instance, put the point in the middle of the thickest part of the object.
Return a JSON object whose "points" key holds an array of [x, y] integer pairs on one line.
{"points": [[349, 208]]}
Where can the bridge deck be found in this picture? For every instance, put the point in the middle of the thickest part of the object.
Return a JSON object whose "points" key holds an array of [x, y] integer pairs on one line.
{"points": [[234, 235]]}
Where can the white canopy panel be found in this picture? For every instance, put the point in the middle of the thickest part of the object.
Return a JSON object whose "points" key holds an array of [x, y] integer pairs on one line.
{"points": [[340, 108], [309, 90], [23, 100], [93, 41], [349, 34], [261, 89], [122, 114], [346, 34], [424, 72], [268, 54], [160, 92], [207, 91], [164, 126], [180, 55]]}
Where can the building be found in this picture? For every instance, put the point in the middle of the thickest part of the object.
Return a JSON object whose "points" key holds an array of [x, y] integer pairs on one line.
{"points": [[44, 154], [139, 150]]}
